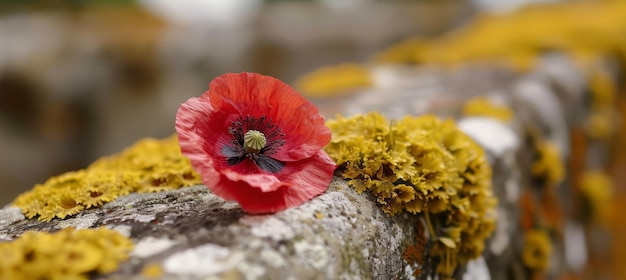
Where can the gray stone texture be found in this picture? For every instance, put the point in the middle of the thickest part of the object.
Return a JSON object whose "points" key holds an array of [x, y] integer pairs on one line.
{"points": [[341, 234]]}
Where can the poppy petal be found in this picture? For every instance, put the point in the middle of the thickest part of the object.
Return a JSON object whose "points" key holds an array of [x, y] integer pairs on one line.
{"points": [[290, 170], [198, 121], [257, 95], [265, 181], [302, 181], [193, 144]]}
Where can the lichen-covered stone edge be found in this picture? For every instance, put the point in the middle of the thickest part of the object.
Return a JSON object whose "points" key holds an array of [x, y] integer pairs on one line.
{"points": [[193, 234]]}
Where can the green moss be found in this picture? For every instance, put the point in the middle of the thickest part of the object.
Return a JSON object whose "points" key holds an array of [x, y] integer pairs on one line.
{"points": [[148, 166], [421, 165]]}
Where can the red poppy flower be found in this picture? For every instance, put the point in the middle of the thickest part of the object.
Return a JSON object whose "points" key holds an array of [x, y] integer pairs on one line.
{"points": [[255, 140]]}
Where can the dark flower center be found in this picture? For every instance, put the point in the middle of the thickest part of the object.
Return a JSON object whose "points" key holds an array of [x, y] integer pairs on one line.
{"points": [[256, 139]]}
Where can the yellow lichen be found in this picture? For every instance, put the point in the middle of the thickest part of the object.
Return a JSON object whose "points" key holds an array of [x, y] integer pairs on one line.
{"points": [[603, 89], [582, 29], [601, 123], [597, 190], [148, 166], [484, 107], [152, 270], [335, 79], [586, 31], [319, 215], [421, 165], [537, 250], [68, 254], [548, 167], [407, 51]]}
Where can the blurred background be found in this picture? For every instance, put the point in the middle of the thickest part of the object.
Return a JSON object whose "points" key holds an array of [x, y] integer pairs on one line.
{"points": [[83, 79]]}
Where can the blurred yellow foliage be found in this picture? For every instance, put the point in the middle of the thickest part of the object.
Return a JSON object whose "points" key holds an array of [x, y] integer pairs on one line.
{"points": [[537, 250], [549, 166], [150, 165], [597, 190], [68, 254], [582, 28], [601, 124], [586, 30], [334, 79], [152, 271], [602, 121], [485, 107]]}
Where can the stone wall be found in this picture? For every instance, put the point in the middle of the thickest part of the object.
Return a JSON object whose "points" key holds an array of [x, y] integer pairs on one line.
{"points": [[192, 234]]}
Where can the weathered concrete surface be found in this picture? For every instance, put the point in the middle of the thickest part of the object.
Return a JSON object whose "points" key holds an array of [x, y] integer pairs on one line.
{"points": [[193, 234]]}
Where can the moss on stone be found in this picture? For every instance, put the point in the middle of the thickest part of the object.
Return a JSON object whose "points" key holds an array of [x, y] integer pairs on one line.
{"points": [[537, 250], [330, 80], [548, 167], [68, 254], [421, 165], [596, 189], [150, 165], [484, 107]]}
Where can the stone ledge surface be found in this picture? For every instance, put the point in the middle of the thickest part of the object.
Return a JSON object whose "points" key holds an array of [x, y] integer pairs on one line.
{"points": [[195, 235]]}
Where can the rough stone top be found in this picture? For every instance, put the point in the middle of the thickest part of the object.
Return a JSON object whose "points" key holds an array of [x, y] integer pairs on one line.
{"points": [[192, 234]]}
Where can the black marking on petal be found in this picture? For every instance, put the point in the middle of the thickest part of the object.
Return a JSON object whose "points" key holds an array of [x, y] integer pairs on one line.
{"points": [[269, 164], [235, 160], [232, 151], [234, 154]]}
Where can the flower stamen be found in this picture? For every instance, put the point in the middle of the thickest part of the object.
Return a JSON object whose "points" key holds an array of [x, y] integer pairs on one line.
{"points": [[261, 139], [253, 141]]}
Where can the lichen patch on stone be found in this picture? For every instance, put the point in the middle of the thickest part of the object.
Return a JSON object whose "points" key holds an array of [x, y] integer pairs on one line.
{"points": [[148, 166], [202, 260], [316, 253], [121, 229], [421, 165], [272, 258], [268, 227], [9, 215], [150, 246], [84, 221], [67, 254], [144, 218]]}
